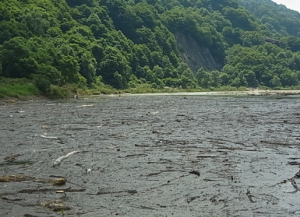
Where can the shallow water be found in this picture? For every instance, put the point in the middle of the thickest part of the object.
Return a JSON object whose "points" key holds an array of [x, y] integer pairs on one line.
{"points": [[142, 156]]}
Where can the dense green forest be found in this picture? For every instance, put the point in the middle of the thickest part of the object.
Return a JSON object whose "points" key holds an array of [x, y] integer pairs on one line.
{"points": [[126, 43]]}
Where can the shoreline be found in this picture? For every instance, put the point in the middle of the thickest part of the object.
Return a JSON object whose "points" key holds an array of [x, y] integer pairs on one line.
{"points": [[255, 92]]}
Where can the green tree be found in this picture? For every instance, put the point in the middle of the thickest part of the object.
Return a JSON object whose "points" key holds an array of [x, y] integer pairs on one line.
{"points": [[17, 60], [88, 68], [203, 78], [276, 82], [115, 69]]}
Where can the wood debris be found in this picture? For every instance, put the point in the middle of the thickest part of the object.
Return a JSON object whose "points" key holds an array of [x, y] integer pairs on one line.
{"points": [[22, 178], [55, 205], [60, 159]]}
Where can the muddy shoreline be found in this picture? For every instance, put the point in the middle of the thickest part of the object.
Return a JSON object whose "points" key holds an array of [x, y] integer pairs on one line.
{"points": [[250, 92], [159, 155]]}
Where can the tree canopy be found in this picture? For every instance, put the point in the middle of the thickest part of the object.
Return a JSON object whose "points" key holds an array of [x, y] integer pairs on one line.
{"points": [[123, 43]]}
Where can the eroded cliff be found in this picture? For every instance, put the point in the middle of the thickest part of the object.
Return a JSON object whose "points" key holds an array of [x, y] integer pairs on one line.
{"points": [[195, 55]]}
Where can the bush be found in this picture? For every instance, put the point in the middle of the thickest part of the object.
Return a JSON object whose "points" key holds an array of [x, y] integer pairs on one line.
{"points": [[43, 85], [17, 88], [56, 92]]}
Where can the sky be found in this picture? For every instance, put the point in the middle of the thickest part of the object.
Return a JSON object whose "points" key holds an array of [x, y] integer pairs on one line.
{"points": [[292, 4]]}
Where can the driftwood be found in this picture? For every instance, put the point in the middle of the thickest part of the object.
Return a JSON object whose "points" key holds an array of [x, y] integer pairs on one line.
{"points": [[195, 172], [43, 190], [9, 163], [55, 205], [275, 143], [82, 106], [132, 192], [250, 196], [60, 159], [294, 163], [22, 178], [294, 184], [49, 137], [192, 198], [12, 158]]}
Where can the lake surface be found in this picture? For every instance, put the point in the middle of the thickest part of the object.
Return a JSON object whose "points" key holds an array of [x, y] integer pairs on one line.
{"points": [[152, 155]]}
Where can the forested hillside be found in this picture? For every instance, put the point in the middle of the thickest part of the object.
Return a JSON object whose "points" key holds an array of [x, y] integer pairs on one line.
{"points": [[279, 19], [174, 43]]}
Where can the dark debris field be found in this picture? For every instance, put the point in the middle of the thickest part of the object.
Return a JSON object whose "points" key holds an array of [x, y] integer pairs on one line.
{"points": [[143, 155]]}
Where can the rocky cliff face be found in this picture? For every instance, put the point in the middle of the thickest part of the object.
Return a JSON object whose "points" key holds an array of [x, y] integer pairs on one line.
{"points": [[194, 55]]}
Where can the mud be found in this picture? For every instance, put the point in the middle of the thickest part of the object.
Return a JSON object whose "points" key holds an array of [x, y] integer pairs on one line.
{"points": [[152, 156]]}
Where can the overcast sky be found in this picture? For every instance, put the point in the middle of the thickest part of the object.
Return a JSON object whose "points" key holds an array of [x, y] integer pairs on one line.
{"points": [[292, 4]]}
